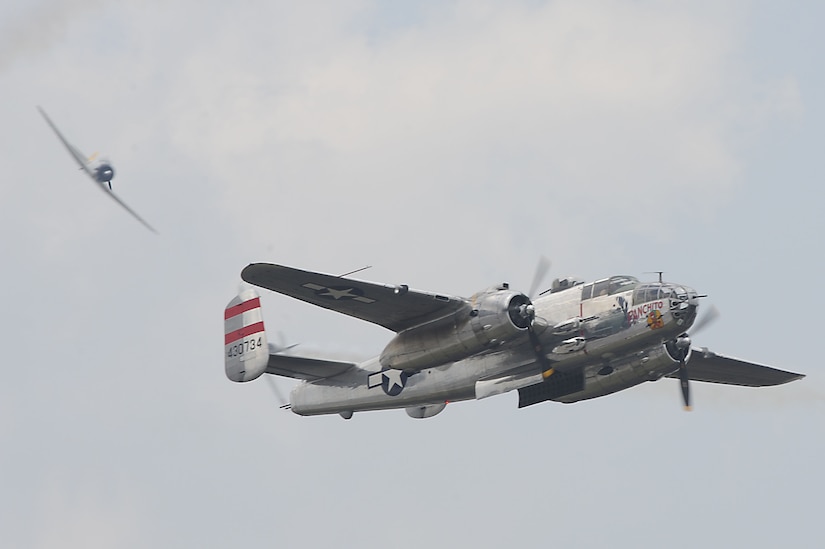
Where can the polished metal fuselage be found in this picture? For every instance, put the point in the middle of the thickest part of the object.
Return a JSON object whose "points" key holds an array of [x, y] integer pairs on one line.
{"points": [[616, 340]]}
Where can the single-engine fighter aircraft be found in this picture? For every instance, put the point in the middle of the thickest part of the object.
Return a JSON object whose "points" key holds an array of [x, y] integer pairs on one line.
{"points": [[576, 342], [101, 171]]}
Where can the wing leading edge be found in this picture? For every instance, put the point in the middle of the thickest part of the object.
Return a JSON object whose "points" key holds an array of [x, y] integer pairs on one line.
{"points": [[128, 209], [710, 367], [393, 307], [76, 154]]}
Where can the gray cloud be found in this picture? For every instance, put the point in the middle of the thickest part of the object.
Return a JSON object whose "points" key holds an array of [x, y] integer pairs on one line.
{"points": [[33, 31]]}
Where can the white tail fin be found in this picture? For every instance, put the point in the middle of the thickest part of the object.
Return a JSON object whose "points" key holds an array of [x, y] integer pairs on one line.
{"points": [[246, 352]]}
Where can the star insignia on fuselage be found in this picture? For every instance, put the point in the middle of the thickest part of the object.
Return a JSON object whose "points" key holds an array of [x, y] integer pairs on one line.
{"points": [[390, 380]]}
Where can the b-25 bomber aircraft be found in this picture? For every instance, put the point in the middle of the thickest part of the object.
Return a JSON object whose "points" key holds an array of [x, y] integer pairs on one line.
{"points": [[577, 341]]}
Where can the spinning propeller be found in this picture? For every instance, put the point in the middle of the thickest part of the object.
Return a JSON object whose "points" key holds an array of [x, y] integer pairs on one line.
{"points": [[542, 268], [282, 348], [683, 345], [528, 312]]}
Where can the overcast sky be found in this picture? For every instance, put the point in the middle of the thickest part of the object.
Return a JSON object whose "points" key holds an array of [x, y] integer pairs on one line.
{"points": [[449, 145]]}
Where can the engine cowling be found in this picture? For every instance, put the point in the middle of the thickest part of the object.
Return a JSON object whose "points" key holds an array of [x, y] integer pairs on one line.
{"points": [[104, 173], [497, 315]]}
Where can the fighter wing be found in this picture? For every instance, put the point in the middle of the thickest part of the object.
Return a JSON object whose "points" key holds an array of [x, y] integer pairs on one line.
{"points": [[393, 307], [707, 366], [84, 164], [127, 208], [81, 160]]}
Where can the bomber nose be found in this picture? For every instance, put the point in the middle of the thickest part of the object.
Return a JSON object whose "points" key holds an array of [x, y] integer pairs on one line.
{"points": [[682, 296], [684, 303]]}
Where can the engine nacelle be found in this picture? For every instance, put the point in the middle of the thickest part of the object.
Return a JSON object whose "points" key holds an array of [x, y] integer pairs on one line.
{"points": [[497, 316]]}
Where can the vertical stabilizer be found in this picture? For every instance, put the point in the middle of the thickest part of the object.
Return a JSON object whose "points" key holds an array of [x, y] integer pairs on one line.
{"points": [[246, 352]]}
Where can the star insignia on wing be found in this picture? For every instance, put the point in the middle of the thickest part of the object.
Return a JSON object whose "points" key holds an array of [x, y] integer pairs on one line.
{"points": [[339, 293]]}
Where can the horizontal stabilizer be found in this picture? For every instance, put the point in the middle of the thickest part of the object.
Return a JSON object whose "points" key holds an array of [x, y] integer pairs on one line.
{"points": [[309, 369]]}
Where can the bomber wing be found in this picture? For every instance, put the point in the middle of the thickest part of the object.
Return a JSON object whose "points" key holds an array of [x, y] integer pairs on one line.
{"points": [[393, 307], [708, 366]]}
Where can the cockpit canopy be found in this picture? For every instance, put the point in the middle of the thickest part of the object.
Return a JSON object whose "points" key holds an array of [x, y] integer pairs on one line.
{"points": [[650, 292], [653, 291], [609, 286]]}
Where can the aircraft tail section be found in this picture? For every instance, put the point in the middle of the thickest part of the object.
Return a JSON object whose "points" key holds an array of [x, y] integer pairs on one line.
{"points": [[246, 352], [248, 355]]}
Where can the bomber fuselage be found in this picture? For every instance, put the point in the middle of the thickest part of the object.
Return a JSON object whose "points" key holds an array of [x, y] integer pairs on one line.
{"points": [[599, 338]]}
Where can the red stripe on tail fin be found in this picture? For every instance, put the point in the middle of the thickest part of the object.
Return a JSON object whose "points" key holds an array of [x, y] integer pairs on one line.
{"points": [[242, 308], [231, 337]]}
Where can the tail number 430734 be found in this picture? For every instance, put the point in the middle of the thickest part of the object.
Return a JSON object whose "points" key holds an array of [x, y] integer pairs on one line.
{"points": [[244, 347]]}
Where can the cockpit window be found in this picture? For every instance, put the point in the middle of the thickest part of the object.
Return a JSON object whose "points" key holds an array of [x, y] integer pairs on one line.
{"points": [[622, 284], [650, 292], [600, 288], [609, 286]]}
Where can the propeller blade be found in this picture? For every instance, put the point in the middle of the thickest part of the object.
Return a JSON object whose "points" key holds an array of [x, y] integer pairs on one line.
{"points": [[707, 319], [541, 271], [278, 395], [541, 356], [684, 380], [281, 347]]}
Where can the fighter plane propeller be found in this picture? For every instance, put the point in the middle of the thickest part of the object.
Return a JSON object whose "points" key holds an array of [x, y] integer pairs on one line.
{"points": [[583, 341], [100, 171]]}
